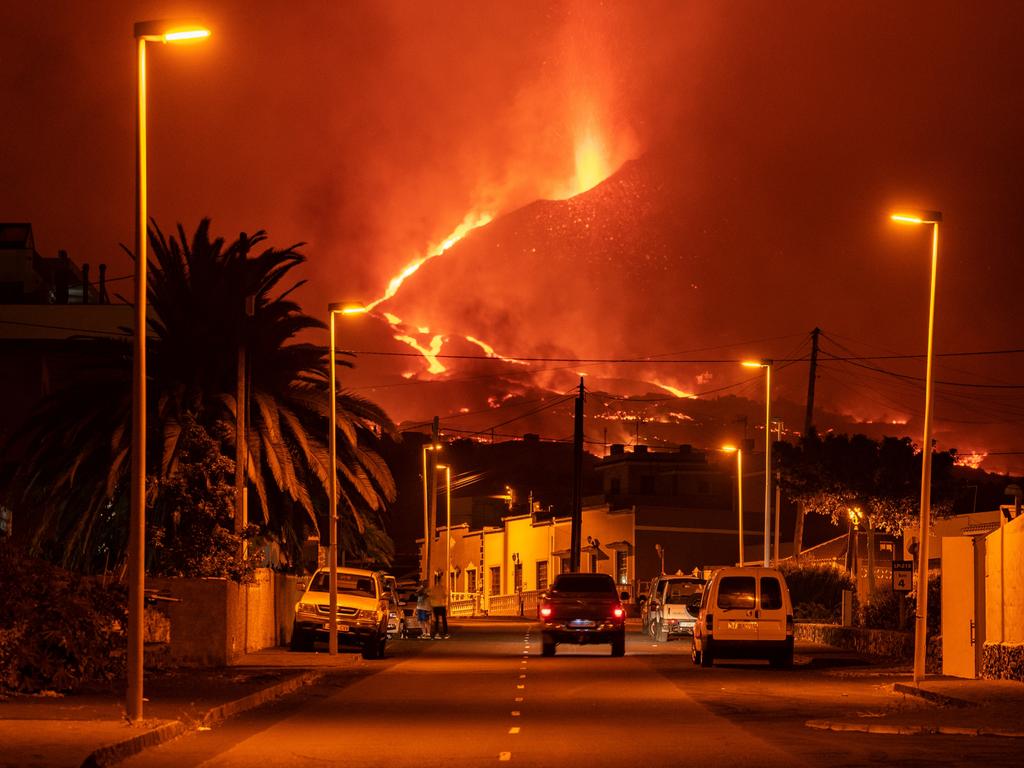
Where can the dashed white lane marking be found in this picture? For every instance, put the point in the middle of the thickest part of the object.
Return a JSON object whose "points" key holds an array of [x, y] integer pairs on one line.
{"points": [[515, 713], [504, 756], [518, 699], [522, 677], [513, 730], [520, 687]]}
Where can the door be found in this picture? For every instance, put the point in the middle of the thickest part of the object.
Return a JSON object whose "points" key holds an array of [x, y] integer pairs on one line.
{"points": [[734, 608], [771, 609], [958, 614]]}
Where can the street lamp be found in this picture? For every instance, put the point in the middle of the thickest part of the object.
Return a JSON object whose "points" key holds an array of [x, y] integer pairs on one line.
{"points": [[145, 32], [921, 623], [739, 490], [334, 309], [428, 484], [767, 365]]}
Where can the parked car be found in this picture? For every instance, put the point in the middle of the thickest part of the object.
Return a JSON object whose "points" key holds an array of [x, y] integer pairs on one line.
{"points": [[362, 612], [582, 608], [396, 613], [673, 605], [646, 590], [745, 613], [407, 589]]}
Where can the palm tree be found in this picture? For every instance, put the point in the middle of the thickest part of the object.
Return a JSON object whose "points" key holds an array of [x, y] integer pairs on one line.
{"points": [[198, 286]]}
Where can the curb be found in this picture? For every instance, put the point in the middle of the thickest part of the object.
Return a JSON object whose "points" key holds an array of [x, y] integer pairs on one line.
{"points": [[912, 730], [932, 696], [122, 750]]}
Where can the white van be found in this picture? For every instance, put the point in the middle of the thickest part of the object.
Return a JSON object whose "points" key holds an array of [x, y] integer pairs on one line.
{"points": [[745, 613]]}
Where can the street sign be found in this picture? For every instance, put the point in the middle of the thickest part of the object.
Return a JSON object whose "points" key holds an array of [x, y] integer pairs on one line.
{"points": [[902, 575]]}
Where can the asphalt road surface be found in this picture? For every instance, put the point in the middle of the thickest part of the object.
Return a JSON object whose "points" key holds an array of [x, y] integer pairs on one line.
{"points": [[486, 696]]}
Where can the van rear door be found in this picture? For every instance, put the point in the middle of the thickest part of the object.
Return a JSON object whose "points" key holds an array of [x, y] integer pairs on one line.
{"points": [[771, 609]]}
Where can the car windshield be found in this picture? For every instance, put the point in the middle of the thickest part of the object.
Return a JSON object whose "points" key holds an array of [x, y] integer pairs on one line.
{"points": [[584, 582], [348, 584], [680, 592]]}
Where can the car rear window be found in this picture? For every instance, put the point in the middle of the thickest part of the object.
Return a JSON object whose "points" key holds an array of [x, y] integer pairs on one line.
{"points": [[680, 592], [771, 593], [737, 593], [584, 582]]}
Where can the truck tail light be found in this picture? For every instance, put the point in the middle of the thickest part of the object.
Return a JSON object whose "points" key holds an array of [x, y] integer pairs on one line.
{"points": [[545, 611], [618, 612]]}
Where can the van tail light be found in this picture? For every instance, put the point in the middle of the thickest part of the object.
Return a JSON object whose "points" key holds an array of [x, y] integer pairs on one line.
{"points": [[545, 611], [709, 623], [789, 624], [618, 612]]}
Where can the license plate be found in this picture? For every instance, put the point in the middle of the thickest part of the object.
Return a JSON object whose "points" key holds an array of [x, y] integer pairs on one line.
{"points": [[745, 625], [341, 627], [581, 623]]}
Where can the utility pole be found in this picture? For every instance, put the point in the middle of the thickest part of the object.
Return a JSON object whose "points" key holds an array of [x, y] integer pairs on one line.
{"points": [[576, 524], [812, 374], [432, 493]]}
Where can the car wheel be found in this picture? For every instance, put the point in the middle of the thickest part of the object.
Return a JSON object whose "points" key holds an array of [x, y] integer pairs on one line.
{"points": [[301, 640], [619, 645], [660, 633], [547, 647], [706, 657]]}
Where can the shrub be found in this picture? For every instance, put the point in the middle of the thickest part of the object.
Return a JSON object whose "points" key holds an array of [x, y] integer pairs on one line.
{"points": [[60, 630], [816, 591], [882, 611]]}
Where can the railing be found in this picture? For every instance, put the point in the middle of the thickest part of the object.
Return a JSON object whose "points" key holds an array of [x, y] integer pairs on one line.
{"points": [[517, 604]]}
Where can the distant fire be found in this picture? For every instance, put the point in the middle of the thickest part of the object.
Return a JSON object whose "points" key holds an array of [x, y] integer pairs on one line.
{"points": [[972, 459], [675, 391]]}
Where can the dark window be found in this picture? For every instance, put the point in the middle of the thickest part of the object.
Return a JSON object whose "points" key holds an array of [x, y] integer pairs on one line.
{"points": [[566, 564], [471, 581], [517, 576], [621, 567], [647, 485], [542, 574], [496, 580], [679, 592], [593, 563], [615, 486], [771, 593], [584, 582], [737, 593]]}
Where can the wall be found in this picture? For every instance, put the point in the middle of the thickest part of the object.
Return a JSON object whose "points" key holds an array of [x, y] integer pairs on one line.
{"points": [[214, 621], [1002, 655]]}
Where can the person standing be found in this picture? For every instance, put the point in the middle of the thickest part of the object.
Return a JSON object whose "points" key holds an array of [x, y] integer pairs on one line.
{"points": [[423, 609], [439, 602]]}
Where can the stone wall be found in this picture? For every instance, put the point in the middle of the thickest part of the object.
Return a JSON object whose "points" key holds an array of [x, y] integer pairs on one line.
{"points": [[1003, 661], [882, 643]]}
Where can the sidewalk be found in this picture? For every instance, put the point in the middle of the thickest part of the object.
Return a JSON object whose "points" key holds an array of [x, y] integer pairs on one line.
{"points": [[89, 727], [955, 706]]}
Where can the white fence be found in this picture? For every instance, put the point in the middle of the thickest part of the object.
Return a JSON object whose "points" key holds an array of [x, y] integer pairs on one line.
{"points": [[471, 604]]}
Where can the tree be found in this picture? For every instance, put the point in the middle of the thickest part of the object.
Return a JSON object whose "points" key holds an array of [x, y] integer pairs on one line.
{"points": [[76, 474]]}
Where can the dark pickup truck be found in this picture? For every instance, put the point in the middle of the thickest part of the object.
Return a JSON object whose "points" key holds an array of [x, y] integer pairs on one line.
{"points": [[582, 608]]}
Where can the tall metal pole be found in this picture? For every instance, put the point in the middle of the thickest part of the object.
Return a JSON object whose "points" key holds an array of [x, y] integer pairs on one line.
{"points": [[739, 494], [426, 517], [332, 477], [448, 533], [921, 624], [576, 522], [811, 378], [767, 461], [137, 525]]}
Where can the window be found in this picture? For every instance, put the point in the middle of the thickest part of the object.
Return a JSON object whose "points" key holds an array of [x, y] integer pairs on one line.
{"points": [[453, 582], [565, 564], [517, 576], [771, 594], [542, 574], [621, 567], [584, 582], [647, 485], [496, 580], [471, 581], [736, 593]]}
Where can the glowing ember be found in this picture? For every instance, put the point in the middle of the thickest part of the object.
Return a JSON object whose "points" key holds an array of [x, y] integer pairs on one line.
{"points": [[434, 365], [489, 351], [972, 460]]}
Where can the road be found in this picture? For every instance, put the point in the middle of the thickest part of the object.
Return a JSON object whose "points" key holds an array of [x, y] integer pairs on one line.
{"points": [[486, 696]]}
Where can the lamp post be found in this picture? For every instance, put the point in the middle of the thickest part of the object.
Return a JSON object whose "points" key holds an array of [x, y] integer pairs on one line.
{"points": [[145, 32], [739, 491], [921, 622], [428, 484], [447, 529], [334, 309], [767, 365]]}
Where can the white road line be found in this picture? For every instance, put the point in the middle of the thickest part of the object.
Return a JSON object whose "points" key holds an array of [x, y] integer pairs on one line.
{"points": [[519, 699], [515, 713], [505, 756], [513, 730]]}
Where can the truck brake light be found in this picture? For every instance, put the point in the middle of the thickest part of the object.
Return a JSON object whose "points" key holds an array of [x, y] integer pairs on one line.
{"points": [[618, 612], [545, 612]]}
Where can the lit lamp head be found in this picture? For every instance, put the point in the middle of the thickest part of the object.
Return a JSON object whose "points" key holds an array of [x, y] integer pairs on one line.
{"points": [[917, 217], [730, 448], [756, 363], [170, 31], [347, 308]]}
